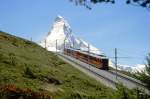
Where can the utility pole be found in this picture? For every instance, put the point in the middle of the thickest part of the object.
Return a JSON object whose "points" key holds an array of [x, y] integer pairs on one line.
{"points": [[73, 45], [88, 52], [31, 39], [64, 45], [138, 95], [116, 61], [88, 48], [56, 45], [45, 43]]}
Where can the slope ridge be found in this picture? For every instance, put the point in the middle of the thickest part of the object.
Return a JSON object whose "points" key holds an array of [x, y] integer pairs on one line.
{"points": [[27, 65]]}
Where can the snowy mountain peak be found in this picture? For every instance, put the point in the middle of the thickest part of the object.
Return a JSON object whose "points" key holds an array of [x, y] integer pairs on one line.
{"points": [[60, 36], [59, 17]]}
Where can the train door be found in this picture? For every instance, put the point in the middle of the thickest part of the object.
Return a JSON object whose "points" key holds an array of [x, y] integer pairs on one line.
{"points": [[100, 64], [105, 64]]}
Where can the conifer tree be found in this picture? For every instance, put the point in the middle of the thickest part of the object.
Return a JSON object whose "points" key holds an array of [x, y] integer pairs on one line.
{"points": [[144, 76]]}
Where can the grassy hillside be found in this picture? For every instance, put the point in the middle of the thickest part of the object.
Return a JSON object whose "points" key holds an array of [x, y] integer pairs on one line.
{"points": [[24, 64], [29, 70]]}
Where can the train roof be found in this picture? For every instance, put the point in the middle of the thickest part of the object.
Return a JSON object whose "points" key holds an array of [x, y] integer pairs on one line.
{"points": [[89, 53]]}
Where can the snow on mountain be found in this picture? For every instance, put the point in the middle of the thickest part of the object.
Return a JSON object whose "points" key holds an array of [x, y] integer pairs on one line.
{"points": [[138, 67], [61, 35], [135, 68]]}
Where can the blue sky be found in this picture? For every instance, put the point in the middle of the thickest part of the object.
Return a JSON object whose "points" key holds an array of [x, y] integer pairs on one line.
{"points": [[106, 26]]}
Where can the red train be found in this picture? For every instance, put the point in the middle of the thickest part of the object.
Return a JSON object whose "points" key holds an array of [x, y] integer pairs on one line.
{"points": [[98, 61]]}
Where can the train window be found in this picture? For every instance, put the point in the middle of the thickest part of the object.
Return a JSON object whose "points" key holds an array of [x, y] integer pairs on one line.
{"points": [[97, 59], [94, 58], [90, 57], [85, 56]]}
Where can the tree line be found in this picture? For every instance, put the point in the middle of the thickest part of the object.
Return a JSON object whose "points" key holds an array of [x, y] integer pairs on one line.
{"points": [[87, 3]]}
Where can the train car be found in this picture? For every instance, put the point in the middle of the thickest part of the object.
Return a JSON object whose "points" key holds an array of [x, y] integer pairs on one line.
{"points": [[100, 62]]}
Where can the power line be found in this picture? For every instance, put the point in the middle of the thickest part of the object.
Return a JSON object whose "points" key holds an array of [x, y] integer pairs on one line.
{"points": [[122, 51], [116, 61], [122, 54], [127, 57]]}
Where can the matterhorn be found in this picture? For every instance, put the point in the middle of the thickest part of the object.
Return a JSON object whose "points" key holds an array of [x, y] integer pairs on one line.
{"points": [[60, 36]]}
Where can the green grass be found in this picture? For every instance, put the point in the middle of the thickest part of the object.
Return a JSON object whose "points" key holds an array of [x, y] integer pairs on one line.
{"points": [[27, 65]]}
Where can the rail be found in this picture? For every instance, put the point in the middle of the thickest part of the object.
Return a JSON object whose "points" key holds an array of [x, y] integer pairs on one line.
{"points": [[88, 69], [113, 83], [127, 78], [108, 75]]}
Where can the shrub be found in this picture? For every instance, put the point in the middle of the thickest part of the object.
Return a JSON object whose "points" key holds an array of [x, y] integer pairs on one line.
{"points": [[144, 76], [28, 72], [12, 92]]}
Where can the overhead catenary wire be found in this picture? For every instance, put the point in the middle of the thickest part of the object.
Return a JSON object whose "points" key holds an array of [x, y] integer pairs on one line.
{"points": [[123, 54]]}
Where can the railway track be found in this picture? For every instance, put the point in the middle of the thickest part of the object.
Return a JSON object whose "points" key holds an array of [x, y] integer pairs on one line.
{"points": [[127, 78], [109, 76], [84, 69]]}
